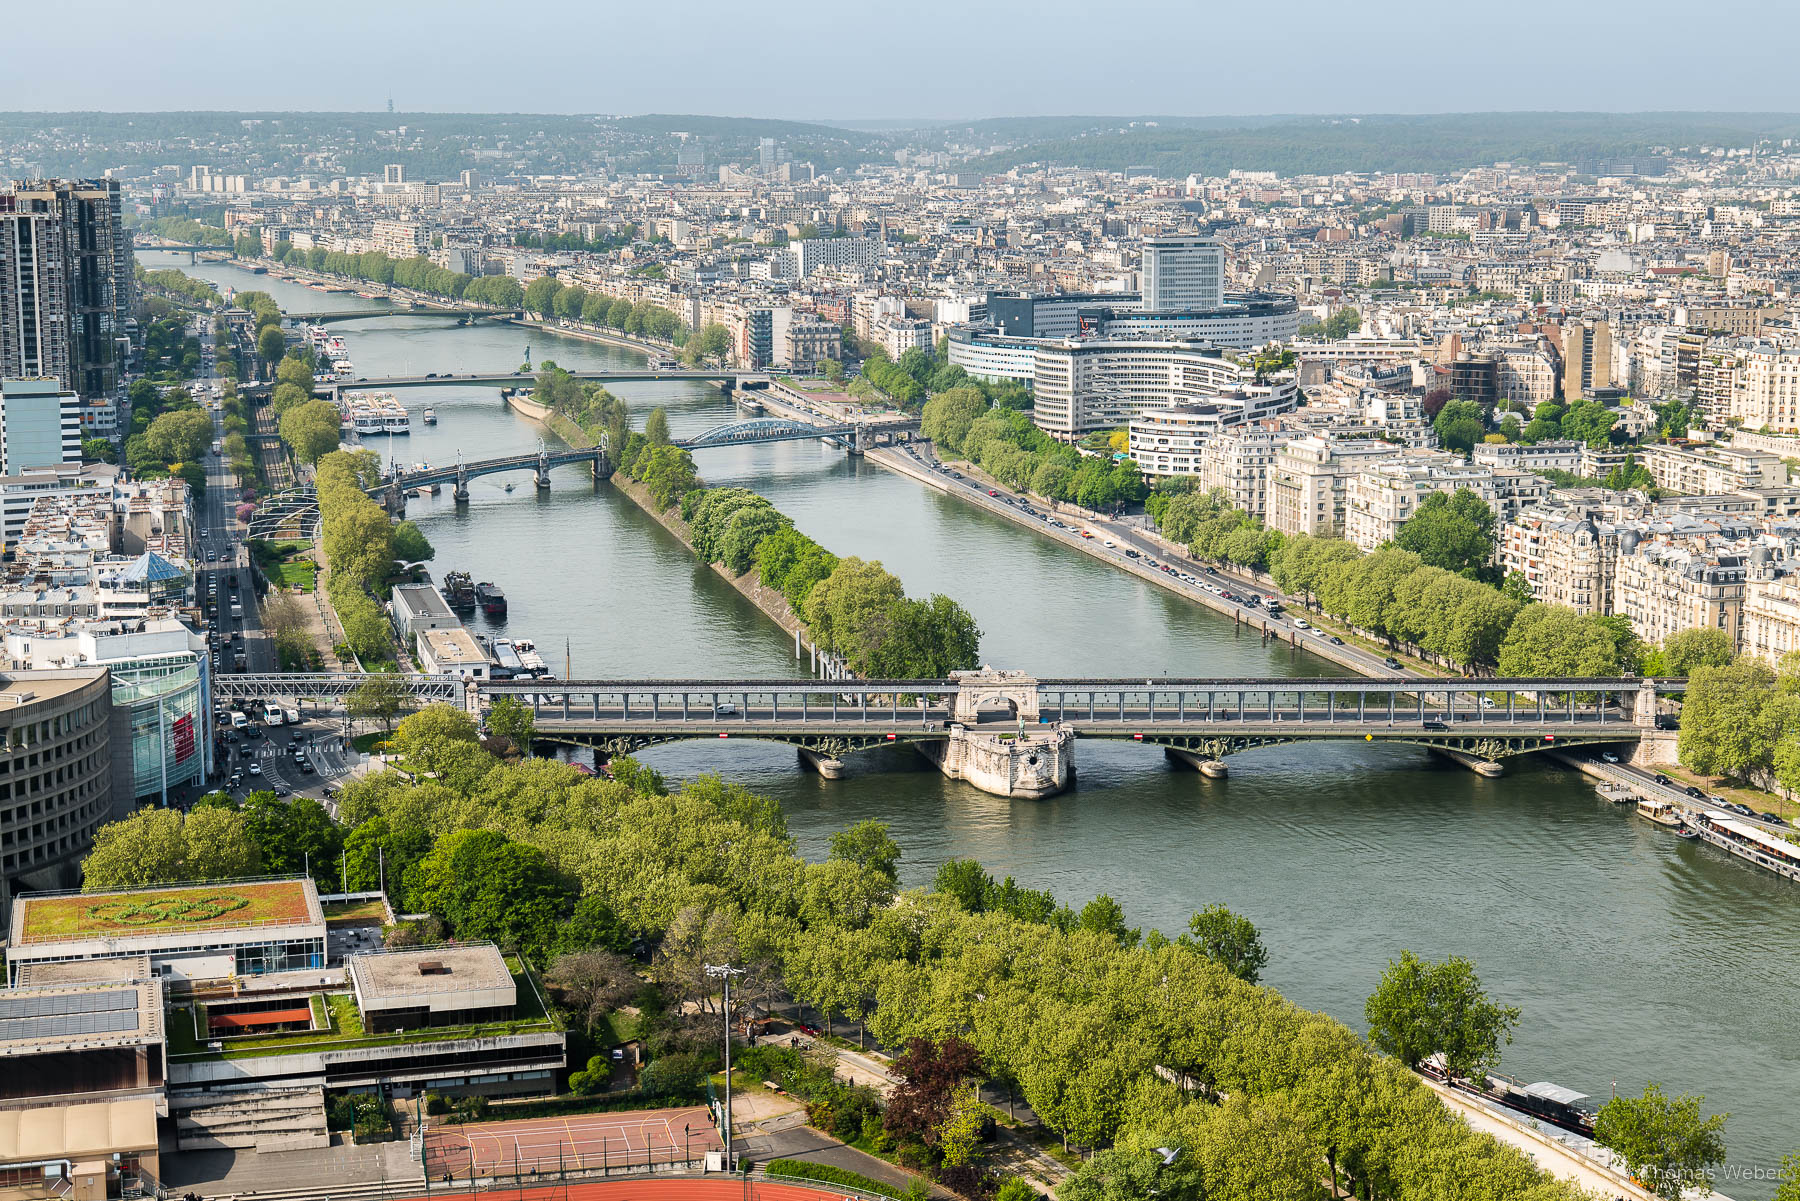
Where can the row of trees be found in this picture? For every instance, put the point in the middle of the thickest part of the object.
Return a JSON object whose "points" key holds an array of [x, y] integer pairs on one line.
{"points": [[361, 546], [180, 284], [1074, 1015], [854, 608], [554, 300], [1406, 597], [1007, 445]]}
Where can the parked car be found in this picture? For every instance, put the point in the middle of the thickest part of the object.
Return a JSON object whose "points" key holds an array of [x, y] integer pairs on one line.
{"points": [[1662, 779], [1694, 792]]}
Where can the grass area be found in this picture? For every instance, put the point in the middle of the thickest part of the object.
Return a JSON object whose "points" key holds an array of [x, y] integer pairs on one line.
{"points": [[347, 1029], [367, 743], [352, 910], [294, 573], [320, 1018], [204, 907]]}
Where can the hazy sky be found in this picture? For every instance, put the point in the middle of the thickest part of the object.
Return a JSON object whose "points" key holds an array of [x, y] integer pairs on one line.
{"points": [[852, 59]]}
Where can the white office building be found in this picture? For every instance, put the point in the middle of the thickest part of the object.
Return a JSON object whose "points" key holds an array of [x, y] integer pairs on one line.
{"points": [[40, 425], [1183, 271]]}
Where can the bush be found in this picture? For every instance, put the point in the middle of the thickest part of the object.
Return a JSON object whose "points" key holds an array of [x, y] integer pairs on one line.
{"points": [[437, 1103], [801, 1169], [471, 1109]]}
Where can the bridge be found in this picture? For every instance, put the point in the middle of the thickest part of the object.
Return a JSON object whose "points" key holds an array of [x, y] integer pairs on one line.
{"points": [[396, 310], [1478, 722], [727, 378]]}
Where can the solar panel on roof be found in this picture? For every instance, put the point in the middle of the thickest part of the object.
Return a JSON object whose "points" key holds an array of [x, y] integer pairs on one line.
{"points": [[68, 1015], [44, 1005]]}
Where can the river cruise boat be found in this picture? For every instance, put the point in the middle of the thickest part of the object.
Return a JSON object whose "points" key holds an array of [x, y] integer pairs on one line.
{"points": [[1749, 843], [367, 413], [663, 363]]}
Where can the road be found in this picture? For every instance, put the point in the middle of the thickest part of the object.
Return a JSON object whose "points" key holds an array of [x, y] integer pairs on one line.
{"points": [[1644, 781]]}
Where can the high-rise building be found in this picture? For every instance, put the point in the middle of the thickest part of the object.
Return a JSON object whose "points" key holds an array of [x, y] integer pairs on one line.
{"points": [[394, 173], [1183, 271], [65, 284], [1587, 359], [40, 425]]}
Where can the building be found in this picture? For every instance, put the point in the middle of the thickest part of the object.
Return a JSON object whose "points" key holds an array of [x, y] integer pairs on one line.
{"points": [[65, 285], [56, 777], [1242, 321], [1765, 392], [835, 254], [1309, 479], [1587, 359], [451, 652], [393, 173], [1563, 557], [420, 607], [451, 985], [1182, 271], [399, 239], [1540, 456], [1237, 462], [1383, 495], [811, 342], [248, 928], [40, 425], [1664, 588], [1770, 625], [1704, 471]]}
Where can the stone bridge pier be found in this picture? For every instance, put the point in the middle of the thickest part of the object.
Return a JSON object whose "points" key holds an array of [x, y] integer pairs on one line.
{"points": [[996, 743], [461, 491], [542, 472]]}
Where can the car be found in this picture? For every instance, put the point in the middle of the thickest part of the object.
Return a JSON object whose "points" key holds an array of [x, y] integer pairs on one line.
{"points": [[1608, 757], [236, 779], [1300, 624], [1662, 779], [1391, 663], [1694, 792], [1130, 554], [1487, 702], [306, 769], [1336, 641], [1432, 723], [431, 375], [255, 768], [281, 792], [991, 492], [1109, 544], [1774, 819]]}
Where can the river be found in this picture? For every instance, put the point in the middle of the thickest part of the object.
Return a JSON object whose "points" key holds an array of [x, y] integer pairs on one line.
{"points": [[1634, 957]]}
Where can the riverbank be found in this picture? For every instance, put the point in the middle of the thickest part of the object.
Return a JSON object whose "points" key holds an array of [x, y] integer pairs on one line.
{"points": [[589, 334]]}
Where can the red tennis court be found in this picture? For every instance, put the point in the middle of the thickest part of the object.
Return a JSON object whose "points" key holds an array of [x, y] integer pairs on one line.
{"points": [[582, 1142]]}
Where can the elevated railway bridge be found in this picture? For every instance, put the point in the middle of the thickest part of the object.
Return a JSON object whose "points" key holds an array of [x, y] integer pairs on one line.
{"points": [[1477, 721]]}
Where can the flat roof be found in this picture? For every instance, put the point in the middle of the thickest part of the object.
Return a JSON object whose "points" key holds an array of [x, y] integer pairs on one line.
{"points": [[39, 1021], [453, 646], [1780, 846], [418, 973], [126, 969], [423, 600], [77, 1131], [40, 919]]}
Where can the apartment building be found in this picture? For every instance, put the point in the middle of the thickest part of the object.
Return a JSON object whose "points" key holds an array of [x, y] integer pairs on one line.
{"points": [[1704, 471], [66, 287], [40, 425], [400, 239], [1081, 385], [835, 254], [1765, 393], [1587, 359], [1664, 588], [810, 342], [1541, 456], [1309, 482]]}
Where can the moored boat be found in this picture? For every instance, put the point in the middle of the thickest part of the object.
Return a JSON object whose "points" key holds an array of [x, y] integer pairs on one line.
{"points": [[1660, 812], [491, 599], [459, 591]]}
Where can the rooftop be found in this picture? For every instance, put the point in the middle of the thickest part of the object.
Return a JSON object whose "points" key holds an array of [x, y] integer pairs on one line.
{"points": [[420, 971], [39, 1021], [230, 904]]}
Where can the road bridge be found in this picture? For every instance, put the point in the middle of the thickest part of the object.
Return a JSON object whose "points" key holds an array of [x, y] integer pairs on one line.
{"points": [[397, 310], [332, 686]]}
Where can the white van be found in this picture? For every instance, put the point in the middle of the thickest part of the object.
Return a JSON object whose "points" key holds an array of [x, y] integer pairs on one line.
{"points": [[272, 714], [293, 716]]}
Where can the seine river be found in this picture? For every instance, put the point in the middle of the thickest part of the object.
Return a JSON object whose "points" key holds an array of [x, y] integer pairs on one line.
{"points": [[1634, 957]]}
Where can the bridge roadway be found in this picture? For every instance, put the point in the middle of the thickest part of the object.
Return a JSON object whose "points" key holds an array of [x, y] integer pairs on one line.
{"points": [[387, 383]]}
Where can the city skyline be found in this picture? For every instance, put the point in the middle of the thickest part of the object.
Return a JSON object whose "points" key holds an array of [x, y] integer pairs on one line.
{"points": [[946, 64]]}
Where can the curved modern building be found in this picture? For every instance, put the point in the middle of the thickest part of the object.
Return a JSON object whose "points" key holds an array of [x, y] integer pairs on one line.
{"points": [[56, 774]]}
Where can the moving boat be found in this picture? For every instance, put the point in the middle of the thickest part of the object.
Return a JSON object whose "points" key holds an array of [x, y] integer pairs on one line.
{"points": [[491, 599], [430, 416], [459, 591]]}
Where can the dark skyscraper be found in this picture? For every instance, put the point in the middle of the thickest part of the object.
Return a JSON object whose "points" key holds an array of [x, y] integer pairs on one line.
{"points": [[65, 284]]}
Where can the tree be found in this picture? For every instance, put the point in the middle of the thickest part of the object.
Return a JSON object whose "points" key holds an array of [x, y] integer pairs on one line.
{"points": [[1103, 915], [591, 984], [1421, 1008], [411, 545], [513, 721], [487, 886], [1554, 640], [1228, 940], [656, 426], [180, 436], [1790, 1178], [311, 430], [948, 416], [1686, 650], [1460, 425], [434, 732], [1732, 718], [932, 1075], [1665, 1143], [381, 697], [270, 343], [540, 295], [1454, 532], [145, 848], [99, 450], [869, 845]]}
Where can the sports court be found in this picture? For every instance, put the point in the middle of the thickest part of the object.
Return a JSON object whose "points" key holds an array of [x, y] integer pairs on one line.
{"points": [[581, 1142]]}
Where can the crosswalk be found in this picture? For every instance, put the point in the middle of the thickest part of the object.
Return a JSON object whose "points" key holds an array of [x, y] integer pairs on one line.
{"points": [[279, 769]]}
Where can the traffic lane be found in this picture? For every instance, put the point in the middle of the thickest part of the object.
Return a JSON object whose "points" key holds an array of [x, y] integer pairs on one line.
{"points": [[1646, 779]]}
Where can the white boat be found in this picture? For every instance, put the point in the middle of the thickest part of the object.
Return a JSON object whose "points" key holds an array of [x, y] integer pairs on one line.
{"points": [[663, 363], [375, 413], [533, 662], [430, 416], [1749, 843], [1660, 812]]}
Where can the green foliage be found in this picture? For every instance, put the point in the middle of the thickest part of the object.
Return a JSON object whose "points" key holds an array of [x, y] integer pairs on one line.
{"points": [[1733, 717], [484, 885], [1687, 650], [1229, 940], [156, 846], [1340, 324], [311, 430], [1423, 1008], [1460, 424], [514, 721], [806, 1169], [1452, 532], [1664, 1141]]}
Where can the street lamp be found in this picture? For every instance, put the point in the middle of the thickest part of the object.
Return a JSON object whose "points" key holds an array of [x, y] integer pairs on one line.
{"points": [[724, 971]]}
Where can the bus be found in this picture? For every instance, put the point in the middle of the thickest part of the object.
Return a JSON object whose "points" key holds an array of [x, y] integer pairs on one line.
{"points": [[272, 713]]}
